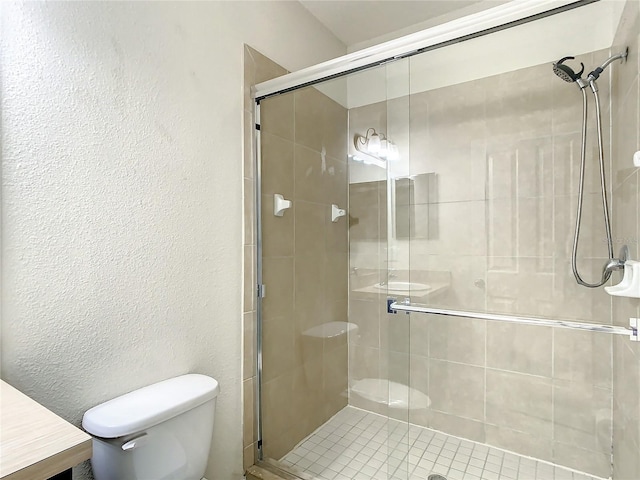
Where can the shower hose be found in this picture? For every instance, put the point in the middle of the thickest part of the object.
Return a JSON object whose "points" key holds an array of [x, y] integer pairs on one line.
{"points": [[606, 272]]}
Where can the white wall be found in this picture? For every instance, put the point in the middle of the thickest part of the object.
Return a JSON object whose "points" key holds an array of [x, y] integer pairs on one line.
{"points": [[575, 32], [122, 216], [418, 27]]}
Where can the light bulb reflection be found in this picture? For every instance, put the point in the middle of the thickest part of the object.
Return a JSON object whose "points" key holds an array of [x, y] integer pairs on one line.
{"points": [[374, 144]]}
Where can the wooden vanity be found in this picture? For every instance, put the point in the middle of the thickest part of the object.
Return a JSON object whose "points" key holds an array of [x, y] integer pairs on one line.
{"points": [[35, 443]]}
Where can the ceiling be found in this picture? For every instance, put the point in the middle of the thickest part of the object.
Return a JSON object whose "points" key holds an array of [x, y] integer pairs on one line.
{"points": [[359, 21]]}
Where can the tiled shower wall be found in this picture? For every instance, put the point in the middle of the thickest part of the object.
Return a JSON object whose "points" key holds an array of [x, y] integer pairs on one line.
{"points": [[305, 264], [257, 68], [626, 208], [505, 151]]}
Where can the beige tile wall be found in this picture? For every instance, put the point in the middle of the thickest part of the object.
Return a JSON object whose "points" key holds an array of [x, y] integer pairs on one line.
{"points": [[257, 68], [305, 265], [626, 200], [506, 153]]}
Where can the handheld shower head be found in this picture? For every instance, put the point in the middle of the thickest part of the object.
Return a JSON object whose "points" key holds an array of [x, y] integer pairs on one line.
{"points": [[565, 72]]}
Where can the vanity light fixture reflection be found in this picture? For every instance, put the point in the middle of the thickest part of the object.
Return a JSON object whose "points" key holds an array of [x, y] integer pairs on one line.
{"points": [[376, 145]]}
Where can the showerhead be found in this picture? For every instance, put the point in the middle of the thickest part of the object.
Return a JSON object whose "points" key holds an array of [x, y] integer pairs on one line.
{"points": [[565, 72]]}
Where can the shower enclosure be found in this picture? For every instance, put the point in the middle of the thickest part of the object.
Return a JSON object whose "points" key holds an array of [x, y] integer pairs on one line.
{"points": [[417, 309]]}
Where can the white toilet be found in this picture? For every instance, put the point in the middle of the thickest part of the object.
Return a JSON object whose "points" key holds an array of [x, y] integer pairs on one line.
{"points": [[159, 432]]}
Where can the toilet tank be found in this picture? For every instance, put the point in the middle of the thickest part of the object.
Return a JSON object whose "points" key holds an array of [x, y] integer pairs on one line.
{"points": [[159, 432]]}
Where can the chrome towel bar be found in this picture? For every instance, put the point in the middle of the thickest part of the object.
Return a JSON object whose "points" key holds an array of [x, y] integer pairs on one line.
{"points": [[632, 333]]}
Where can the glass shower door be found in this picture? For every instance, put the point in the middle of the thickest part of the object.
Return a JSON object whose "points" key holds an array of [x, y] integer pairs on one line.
{"points": [[334, 374], [379, 349], [461, 180], [494, 171], [455, 201], [304, 256], [314, 354]]}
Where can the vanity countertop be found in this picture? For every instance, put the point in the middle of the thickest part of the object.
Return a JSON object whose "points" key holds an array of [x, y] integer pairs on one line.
{"points": [[435, 288], [35, 443]]}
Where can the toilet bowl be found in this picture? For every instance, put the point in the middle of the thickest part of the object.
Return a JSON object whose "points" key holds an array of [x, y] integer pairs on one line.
{"points": [[159, 432]]}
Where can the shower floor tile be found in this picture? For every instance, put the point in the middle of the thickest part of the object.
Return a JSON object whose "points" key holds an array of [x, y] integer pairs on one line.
{"points": [[359, 445]]}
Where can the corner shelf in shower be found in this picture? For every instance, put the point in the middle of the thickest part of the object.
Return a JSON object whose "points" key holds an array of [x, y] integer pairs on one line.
{"points": [[330, 329], [393, 394]]}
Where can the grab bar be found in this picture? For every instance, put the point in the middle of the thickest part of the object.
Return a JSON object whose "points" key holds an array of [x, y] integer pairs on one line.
{"points": [[632, 333]]}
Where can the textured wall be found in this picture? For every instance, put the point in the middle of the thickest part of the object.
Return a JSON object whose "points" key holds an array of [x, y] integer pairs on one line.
{"points": [[122, 180]]}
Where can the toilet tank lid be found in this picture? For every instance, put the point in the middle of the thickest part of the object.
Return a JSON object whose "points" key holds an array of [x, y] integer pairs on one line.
{"points": [[149, 406]]}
